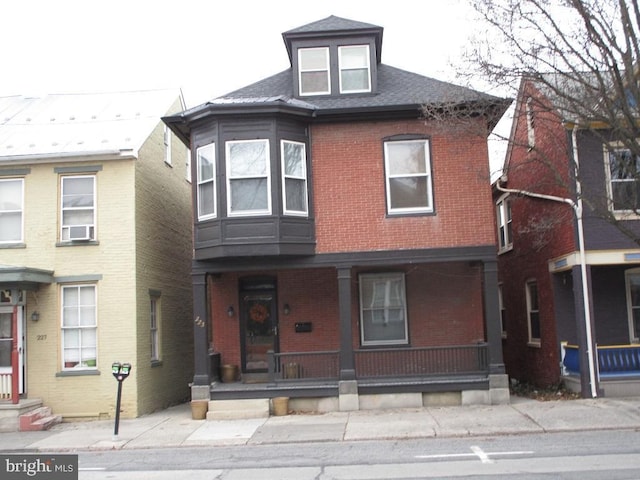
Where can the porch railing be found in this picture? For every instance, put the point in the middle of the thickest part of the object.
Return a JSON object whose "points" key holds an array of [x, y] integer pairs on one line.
{"points": [[425, 361], [5, 386], [613, 360], [386, 362]]}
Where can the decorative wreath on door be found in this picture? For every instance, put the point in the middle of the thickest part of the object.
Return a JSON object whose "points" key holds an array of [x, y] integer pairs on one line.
{"points": [[258, 313]]}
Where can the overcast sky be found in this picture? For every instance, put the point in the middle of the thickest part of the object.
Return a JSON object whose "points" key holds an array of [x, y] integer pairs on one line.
{"points": [[205, 47]]}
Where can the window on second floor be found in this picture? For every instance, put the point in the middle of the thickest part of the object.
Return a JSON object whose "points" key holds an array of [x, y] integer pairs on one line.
{"points": [[294, 173], [355, 73], [11, 210], [408, 176], [531, 133], [624, 179], [503, 218], [167, 145], [533, 312], [206, 173], [78, 201], [248, 178], [314, 74]]}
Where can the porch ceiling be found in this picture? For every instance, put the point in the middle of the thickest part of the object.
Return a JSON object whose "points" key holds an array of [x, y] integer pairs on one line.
{"points": [[23, 278]]}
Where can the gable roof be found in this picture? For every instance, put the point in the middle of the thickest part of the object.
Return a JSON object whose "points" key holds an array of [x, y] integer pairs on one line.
{"points": [[72, 125]]}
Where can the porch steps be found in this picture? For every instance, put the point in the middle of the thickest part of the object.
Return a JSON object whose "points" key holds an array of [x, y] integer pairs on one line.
{"points": [[238, 409], [39, 419]]}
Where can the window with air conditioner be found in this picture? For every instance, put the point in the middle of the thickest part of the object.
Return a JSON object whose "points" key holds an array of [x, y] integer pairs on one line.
{"points": [[78, 202]]}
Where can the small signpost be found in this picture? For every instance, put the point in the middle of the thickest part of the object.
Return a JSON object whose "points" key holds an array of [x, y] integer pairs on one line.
{"points": [[120, 371]]}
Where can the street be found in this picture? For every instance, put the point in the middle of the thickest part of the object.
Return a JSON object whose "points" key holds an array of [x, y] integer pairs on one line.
{"points": [[578, 455]]}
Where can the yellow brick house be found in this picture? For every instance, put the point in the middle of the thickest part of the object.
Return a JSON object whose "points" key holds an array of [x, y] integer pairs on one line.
{"points": [[95, 253]]}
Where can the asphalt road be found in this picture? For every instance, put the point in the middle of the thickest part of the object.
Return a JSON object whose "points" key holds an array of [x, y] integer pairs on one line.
{"points": [[612, 455]]}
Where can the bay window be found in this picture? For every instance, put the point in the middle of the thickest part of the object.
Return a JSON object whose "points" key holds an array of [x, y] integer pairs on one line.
{"points": [[248, 177], [206, 178], [294, 182]]}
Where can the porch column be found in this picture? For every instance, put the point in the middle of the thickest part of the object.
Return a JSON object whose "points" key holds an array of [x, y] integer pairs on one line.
{"points": [[202, 365], [347, 364], [581, 331], [492, 317], [15, 355]]}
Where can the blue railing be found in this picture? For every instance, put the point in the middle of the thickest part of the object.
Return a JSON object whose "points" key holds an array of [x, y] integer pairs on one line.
{"points": [[613, 360]]}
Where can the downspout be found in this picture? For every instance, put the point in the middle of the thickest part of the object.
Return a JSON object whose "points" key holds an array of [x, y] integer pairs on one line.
{"points": [[577, 209]]}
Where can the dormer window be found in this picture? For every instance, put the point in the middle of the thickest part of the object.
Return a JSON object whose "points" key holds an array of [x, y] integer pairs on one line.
{"points": [[314, 71], [355, 72]]}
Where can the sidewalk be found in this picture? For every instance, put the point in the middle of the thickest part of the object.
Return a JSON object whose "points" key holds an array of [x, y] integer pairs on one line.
{"points": [[174, 427]]}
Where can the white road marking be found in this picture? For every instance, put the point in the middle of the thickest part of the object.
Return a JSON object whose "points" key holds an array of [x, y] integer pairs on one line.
{"points": [[484, 457]]}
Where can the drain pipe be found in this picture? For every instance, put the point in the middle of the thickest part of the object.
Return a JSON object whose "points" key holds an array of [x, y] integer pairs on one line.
{"points": [[577, 209]]}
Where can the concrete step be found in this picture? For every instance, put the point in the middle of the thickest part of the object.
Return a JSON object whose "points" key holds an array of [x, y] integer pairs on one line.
{"points": [[238, 409], [38, 419]]}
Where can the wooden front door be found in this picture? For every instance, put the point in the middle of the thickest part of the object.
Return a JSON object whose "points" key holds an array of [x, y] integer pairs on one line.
{"points": [[258, 317]]}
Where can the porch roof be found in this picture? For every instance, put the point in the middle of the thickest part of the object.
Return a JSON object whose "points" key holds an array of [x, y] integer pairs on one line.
{"points": [[23, 278]]}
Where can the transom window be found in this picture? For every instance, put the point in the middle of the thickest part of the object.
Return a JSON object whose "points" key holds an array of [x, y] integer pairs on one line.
{"points": [[248, 179], [408, 176], [313, 71], [11, 208], [294, 172], [78, 208], [633, 304], [503, 217], [79, 327], [624, 176], [533, 312], [355, 74], [383, 309], [206, 173]]}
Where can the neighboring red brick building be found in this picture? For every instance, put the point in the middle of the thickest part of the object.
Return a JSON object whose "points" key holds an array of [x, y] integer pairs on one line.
{"points": [[344, 243], [540, 267]]}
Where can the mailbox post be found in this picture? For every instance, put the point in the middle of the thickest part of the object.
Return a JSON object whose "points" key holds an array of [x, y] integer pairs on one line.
{"points": [[120, 371]]}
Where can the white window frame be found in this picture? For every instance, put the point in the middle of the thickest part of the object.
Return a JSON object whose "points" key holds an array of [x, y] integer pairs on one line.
{"points": [[91, 227], [231, 178], [187, 164], [531, 132], [533, 341], [204, 182], [373, 278], [343, 68], [81, 363], [504, 220], [154, 326], [302, 178], [167, 145], [301, 71], [427, 175], [634, 335], [4, 210], [610, 150]]}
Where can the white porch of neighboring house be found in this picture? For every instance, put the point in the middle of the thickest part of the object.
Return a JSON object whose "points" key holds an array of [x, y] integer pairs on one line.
{"points": [[15, 283]]}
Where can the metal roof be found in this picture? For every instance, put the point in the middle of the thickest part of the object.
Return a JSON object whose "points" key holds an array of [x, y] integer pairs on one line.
{"points": [[85, 124]]}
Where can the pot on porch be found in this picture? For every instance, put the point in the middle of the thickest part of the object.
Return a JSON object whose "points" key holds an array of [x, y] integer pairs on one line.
{"points": [[229, 373], [199, 409]]}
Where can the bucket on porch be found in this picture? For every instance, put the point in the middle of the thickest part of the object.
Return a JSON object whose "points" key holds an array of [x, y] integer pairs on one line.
{"points": [[199, 409], [280, 406], [292, 370], [229, 373]]}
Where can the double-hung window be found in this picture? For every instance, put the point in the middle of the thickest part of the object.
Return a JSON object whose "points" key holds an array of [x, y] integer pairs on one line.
{"points": [[167, 145], [78, 208], [294, 172], [79, 327], [383, 309], [624, 180], [154, 318], [314, 74], [206, 173], [533, 312], [11, 210], [633, 303], [355, 72], [248, 177], [503, 217], [408, 176]]}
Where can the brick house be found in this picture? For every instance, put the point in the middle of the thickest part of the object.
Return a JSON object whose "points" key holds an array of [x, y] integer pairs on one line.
{"points": [[344, 245], [95, 248], [549, 315]]}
